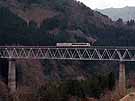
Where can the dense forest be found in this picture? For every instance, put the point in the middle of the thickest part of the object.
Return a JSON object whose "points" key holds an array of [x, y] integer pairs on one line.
{"points": [[61, 26]]}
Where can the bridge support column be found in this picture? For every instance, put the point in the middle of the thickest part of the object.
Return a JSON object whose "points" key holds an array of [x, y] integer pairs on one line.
{"points": [[12, 77], [122, 79]]}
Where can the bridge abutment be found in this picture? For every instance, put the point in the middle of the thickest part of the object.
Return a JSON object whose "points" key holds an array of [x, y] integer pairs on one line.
{"points": [[12, 76], [122, 79]]}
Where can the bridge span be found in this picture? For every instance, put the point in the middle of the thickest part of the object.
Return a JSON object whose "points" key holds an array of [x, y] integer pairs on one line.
{"points": [[92, 53], [99, 53]]}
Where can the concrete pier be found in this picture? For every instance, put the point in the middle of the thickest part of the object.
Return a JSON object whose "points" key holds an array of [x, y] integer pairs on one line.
{"points": [[122, 79], [12, 77]]}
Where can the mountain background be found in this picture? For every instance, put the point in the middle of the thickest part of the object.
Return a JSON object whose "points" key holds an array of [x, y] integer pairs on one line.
{"points": [[46, 22], [126, 13]]}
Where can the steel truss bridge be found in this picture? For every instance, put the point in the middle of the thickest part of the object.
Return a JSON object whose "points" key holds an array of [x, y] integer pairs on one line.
{"points": [[99, 53], [71, 53]]}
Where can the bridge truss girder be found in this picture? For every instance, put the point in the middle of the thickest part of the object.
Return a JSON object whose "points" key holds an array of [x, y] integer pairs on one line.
{"points": [[84, 53]]}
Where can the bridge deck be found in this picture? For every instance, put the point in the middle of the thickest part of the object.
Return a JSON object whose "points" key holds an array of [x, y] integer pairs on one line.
{"points": [[98, 47]]}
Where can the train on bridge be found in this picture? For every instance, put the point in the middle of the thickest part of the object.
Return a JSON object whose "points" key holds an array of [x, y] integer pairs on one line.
{"points": [[73, 44]]}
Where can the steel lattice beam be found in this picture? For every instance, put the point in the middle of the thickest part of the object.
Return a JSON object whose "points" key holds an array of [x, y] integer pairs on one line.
{"points": [[70, 53]]}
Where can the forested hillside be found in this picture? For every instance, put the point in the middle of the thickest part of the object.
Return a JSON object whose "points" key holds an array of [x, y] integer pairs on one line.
{"points": [[70, 19], [45, 23]]}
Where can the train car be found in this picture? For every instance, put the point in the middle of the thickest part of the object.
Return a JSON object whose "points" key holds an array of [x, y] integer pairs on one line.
{"points": [[73, 44]]}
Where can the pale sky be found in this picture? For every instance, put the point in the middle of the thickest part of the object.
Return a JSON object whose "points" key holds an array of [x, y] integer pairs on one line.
{"points": [[102, 4]]}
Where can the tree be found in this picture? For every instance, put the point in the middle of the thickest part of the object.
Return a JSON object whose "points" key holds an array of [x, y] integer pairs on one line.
{"points": [[131, 22], [72, 87], [32, 27], [111, 80], [119, 21]]}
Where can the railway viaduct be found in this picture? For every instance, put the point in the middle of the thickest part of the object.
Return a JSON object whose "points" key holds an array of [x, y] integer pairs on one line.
{"points": [[97, 53]]}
